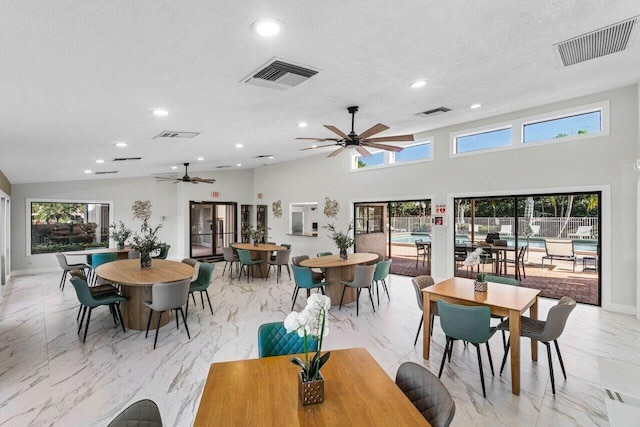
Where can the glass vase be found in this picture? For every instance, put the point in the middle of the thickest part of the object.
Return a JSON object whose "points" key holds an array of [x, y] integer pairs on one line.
{"points": [[145, 260], [343, 254]]}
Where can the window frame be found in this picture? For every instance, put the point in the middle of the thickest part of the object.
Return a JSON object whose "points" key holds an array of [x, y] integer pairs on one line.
{"points": [[368, 218], [389, 156], [478, 131]]}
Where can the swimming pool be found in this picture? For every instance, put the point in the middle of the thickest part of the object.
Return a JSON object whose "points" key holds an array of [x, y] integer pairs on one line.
{"points": [[534, 242], [410, 238]]}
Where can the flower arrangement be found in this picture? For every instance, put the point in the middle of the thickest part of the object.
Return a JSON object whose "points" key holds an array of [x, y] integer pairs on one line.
{"points": [[475, 258], [311, 322], [342, 240], [147, 241], [120, 233], [257, 234]]}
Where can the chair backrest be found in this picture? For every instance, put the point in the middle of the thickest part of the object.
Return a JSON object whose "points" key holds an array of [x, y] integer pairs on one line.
{"points": [[363, 276], [286, 245], [303, 277], [282, 257], [535, 230], [460, 252], [521, 252], [192, 262], [499, 242], [487, 254], [559, 247], [82, 291], [99, 259], [142, 413], [491, 237], [501, 279], [419, 283], [465, 323], [205, 273], [164, 251], [274, 340], [557, 319], [296, 260], [427, 394], [167, 296], [583, 230], [319, 254], [62, 260], [227, 253], [382, 270], [505, 229], [244, 256]]}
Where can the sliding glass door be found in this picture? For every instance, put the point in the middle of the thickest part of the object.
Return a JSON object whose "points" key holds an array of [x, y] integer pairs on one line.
{"points": [[213, 226]]}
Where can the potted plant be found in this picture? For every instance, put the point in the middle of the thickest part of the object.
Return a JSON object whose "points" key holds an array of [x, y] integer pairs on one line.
{"points": [[342, 240], [147, 241], [120, 233], [473, 259], [311, 322], [256, 234]]}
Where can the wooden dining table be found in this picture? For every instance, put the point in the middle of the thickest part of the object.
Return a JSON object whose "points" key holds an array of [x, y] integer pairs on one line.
{"points": [[261, 252], [502, 300], [336, 269], [264, 392], [136, 286]]}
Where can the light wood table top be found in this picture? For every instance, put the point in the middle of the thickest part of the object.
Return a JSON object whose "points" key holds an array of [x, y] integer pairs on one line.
{"points": [[330, 261], [503, 300], [264, 392], [262, 247], [128, 272]]}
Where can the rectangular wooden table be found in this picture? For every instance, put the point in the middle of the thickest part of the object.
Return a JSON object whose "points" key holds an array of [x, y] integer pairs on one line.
{"points": [[503, 300], [264, 392]]}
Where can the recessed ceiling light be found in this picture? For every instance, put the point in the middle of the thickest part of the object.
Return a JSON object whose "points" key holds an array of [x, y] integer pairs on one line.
{"points": [[302, 124], [174, 167], [87, 171], [121, 144], [239, 145], [474, 106], [159, 112], [266, 27], [271, 157], [418, 83], [239, 164], [314, 146], [99, 161], [200, 159]]}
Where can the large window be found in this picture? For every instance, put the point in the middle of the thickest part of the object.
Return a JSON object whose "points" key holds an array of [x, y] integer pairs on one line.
{"points": [[68, 226], [369, 219], [483, 140], [562, 127]]}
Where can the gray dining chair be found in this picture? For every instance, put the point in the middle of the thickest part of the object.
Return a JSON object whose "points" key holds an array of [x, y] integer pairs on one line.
{"points": [[168, 296], [427, 394], [419, 283], [66, 268], [143, 413], [544, 332], [282, 258], [229, 259], [362, 279]]}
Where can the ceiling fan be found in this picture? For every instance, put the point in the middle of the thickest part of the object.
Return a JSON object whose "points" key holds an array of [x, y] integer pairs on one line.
{"points": [[359, 142], [186, 178]]}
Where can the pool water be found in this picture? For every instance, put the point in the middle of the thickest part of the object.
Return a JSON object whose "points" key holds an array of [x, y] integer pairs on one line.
{"points": [[410, 238]]}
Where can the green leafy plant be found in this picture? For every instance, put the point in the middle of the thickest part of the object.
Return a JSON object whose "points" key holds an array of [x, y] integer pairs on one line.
{"points": [[256, 233], [342, 240], [120, 232], [147, 241]]}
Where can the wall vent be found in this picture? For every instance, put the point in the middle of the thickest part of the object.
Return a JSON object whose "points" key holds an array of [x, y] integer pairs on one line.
{"points": [[279, 74], [438, 110], [595, 44], [174, 134], [126, 159], [105, 172]]}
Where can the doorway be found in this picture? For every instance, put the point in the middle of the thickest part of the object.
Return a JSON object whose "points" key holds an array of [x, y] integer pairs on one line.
{"points": [[213, 226]]}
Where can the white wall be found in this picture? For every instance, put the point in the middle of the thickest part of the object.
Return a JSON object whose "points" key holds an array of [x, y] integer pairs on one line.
{"points": [[602, 163]]}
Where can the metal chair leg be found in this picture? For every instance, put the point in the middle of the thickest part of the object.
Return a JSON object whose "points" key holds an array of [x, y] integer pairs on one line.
{"points": [[560, 359], [208, 300], [480, 367], [490, 359], [553, 382], [184, 319], [444, 356], [149, 322], [371, 298], [84, 311], [155, 341], [506, 353], [419, 328], [86, 328], [120, 316], [344, 288]]}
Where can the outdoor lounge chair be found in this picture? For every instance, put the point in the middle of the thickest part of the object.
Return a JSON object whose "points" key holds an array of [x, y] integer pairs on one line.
{"points": [[559, 249], [506, 230], [583, 232]]}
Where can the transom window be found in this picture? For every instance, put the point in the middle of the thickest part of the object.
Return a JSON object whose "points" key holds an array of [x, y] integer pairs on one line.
{"points": [[416, 152], [483, 140], [562, 127]]}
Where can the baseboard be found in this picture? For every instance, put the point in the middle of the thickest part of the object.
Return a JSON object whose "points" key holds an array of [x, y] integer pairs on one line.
{"points": [[620, 308], [34, 271]]}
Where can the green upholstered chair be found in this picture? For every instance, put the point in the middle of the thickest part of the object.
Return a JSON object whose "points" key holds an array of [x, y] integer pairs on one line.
{"points": [[274, 340], [380, 275], [470, 324], [164, 251], [96, 291], [362, 279], [98, 259], [205, 272], [142, 413], [303, 276], [544, 332], [90, 302], [246, 262]]}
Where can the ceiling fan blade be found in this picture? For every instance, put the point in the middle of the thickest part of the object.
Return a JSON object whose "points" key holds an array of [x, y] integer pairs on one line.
{"points": [[383, 146], [165, 178], [319, 146], [320, 139], [196, 180], [338, 132], [363, 151], [392, 138], [335, 153], [373, 130]]}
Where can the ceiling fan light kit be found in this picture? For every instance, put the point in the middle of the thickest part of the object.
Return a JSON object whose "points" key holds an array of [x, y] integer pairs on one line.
{"points": [[359, 142], [186, 178]]}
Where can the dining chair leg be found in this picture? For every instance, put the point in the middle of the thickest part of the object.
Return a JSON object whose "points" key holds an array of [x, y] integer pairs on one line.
{"points": [[86, 328], [432, 318], [155, 341], [260, 268], [419, 328], [384, 285], [451, 349], [84, 311], [490, 359], [377, 290], [149, 322], [506, 353], [480, 368], [177, 324], [79, 311], [371, 298], [63, 280], [322, 290], [358, 302], [344, 288], [193, 298], [113, 314], [560, 359], [225, 267], [202, 299], [184, 319], [295, 296], [120, 316], [208, 300], [187, 308], [288, 270], [553, 382], [444, 356]]}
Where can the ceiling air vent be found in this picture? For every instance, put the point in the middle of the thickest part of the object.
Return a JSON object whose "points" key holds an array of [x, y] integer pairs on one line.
{"points": [[174, 134], [264, 156], [279, 74], [105, 172], [438, 110], [595, 44], [223, 167], [126, 159]]}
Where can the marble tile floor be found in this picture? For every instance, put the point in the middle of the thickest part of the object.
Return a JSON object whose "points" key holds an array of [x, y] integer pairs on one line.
{"points": [[48, 377]]}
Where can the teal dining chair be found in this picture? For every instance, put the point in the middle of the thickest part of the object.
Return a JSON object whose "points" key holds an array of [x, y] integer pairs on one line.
{"points": [[274, 340], [98, 259], [164, 251], [380, 275], [246, 262], [205, 272], [303, 276], [470, 324]]}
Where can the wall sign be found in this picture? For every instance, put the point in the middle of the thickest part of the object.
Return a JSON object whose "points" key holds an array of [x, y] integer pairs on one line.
{"points": [[441, 209]]}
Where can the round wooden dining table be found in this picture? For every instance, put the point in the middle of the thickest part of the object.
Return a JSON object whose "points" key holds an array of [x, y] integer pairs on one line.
{"points": [[263, 252], [136, 286], [336, 269]]}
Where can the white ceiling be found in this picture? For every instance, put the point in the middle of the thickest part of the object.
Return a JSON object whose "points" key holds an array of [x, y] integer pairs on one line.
{"points": [[76, 76]]}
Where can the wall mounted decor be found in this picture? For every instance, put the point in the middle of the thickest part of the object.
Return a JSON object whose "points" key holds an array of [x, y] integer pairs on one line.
{"points": [[331, 207], [276, 207]]}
